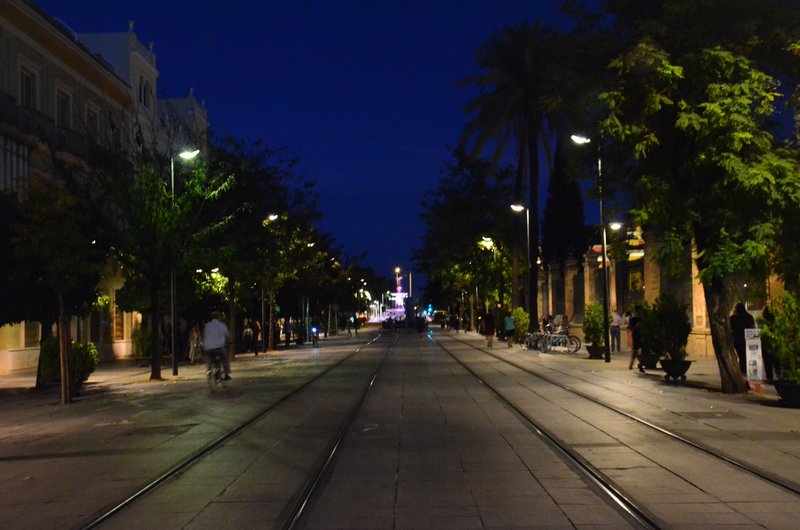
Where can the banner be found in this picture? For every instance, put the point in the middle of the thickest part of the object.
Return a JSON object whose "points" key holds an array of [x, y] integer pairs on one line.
{"points": [[755, 363]]}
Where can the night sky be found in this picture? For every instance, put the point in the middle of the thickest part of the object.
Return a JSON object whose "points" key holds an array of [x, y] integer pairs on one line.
{"points": [[363, 93]]}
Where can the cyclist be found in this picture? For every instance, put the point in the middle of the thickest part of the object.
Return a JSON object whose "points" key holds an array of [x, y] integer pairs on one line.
{"points": [[215, 342]]}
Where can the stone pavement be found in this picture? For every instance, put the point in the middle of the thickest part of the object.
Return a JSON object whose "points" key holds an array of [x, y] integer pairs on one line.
{"points": [[752, 428], [704, 372]]}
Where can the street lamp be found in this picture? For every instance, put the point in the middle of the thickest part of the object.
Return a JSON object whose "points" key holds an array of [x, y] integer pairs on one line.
{"points": [[185, 155], [518, 208], [580, 140]]}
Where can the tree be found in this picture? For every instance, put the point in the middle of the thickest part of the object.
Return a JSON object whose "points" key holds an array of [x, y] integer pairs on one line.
{"points": [[55, 236], [151, 229], [522, 89], [693, 112], [257, 248], [471, 202]]}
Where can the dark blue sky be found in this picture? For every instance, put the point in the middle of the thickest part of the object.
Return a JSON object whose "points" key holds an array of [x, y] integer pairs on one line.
{"points": [[363, 93]]}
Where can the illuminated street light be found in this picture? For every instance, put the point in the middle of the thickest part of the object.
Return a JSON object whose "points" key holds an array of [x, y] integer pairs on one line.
{"points": [[581, 140], [185, 155], [519, 208]]}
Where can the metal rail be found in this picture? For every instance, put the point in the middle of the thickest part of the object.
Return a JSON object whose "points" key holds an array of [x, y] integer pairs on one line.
{"points": [[636, 512], [311, 485], [111, 511], [790, 487]]}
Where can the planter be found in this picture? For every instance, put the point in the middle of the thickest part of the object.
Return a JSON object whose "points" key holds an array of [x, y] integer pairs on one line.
{"points": [[789, 393], [595, 352], [675, 369]]}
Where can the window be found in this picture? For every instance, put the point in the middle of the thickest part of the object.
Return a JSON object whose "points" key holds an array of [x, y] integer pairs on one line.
{"points": [[148, 92], [31, 334], [119, 323], [13, 164], [92, 122], [63, 106], [141, 90], [27, 87]]}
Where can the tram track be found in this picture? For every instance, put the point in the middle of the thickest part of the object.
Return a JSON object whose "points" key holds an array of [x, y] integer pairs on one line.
{"points": [[292, 513], [592, 474], [788, 486]]}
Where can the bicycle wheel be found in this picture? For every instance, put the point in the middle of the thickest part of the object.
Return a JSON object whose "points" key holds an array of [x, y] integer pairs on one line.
{"points": [[214, 375], [574, 344], [544, 344], [530, 341]]}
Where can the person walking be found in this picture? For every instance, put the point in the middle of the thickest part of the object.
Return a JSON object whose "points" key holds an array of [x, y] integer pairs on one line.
{"points": [[247, 335], [510, 328], [741, 320], [488, 328], [616, 323], [195, 344], [633, 327]]}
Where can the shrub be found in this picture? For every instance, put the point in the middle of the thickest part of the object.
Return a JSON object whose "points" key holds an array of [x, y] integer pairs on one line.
{"points": [[665, 328], [141, 340], [83, 360], [593, 328], [49, 372], [521, 321], [781, 334]]}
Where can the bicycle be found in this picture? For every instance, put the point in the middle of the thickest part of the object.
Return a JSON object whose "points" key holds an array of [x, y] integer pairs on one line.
{"points": [[216, 373], [533, 341], [552, 341]]}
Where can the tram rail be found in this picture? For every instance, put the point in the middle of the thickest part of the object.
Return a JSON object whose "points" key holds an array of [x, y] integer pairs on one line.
{"points": [[294, 512], [782, 483], [789, 486]]}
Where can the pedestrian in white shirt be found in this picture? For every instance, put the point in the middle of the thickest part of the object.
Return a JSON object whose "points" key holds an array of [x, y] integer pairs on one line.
{"points": [[616, 323]]}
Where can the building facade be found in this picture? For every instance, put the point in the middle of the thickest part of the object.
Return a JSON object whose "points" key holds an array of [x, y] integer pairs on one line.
{"points": [[60, 95]]}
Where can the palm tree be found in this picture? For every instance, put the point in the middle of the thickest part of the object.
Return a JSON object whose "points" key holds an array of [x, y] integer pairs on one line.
{"points": [[521, 90]]}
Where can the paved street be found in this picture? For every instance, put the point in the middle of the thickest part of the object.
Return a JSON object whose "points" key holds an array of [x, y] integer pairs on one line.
{"points": [[431, 447]]}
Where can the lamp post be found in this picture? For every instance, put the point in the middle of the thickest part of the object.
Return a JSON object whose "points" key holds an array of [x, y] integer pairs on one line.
{"points": [[186, 155], [580, 140], [518, 208]]}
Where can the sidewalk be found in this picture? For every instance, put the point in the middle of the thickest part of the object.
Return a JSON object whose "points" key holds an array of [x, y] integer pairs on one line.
{"points": [[126, 371], [703, 374], [126, 429]]}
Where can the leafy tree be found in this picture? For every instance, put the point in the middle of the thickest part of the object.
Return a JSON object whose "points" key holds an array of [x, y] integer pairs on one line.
{"points": [[470, 203], [151, 229], [694, 105], [54, 236], [529, 72], [274, 213]]}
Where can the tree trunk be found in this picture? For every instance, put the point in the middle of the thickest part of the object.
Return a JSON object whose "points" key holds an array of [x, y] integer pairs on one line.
{"points": [[271, 327], [232, 326], [472, 302], [155, 332], [717, 306], [63, 352]]}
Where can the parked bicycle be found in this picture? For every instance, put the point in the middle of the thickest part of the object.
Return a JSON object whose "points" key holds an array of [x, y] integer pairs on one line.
{"points": [[547, 341]]}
